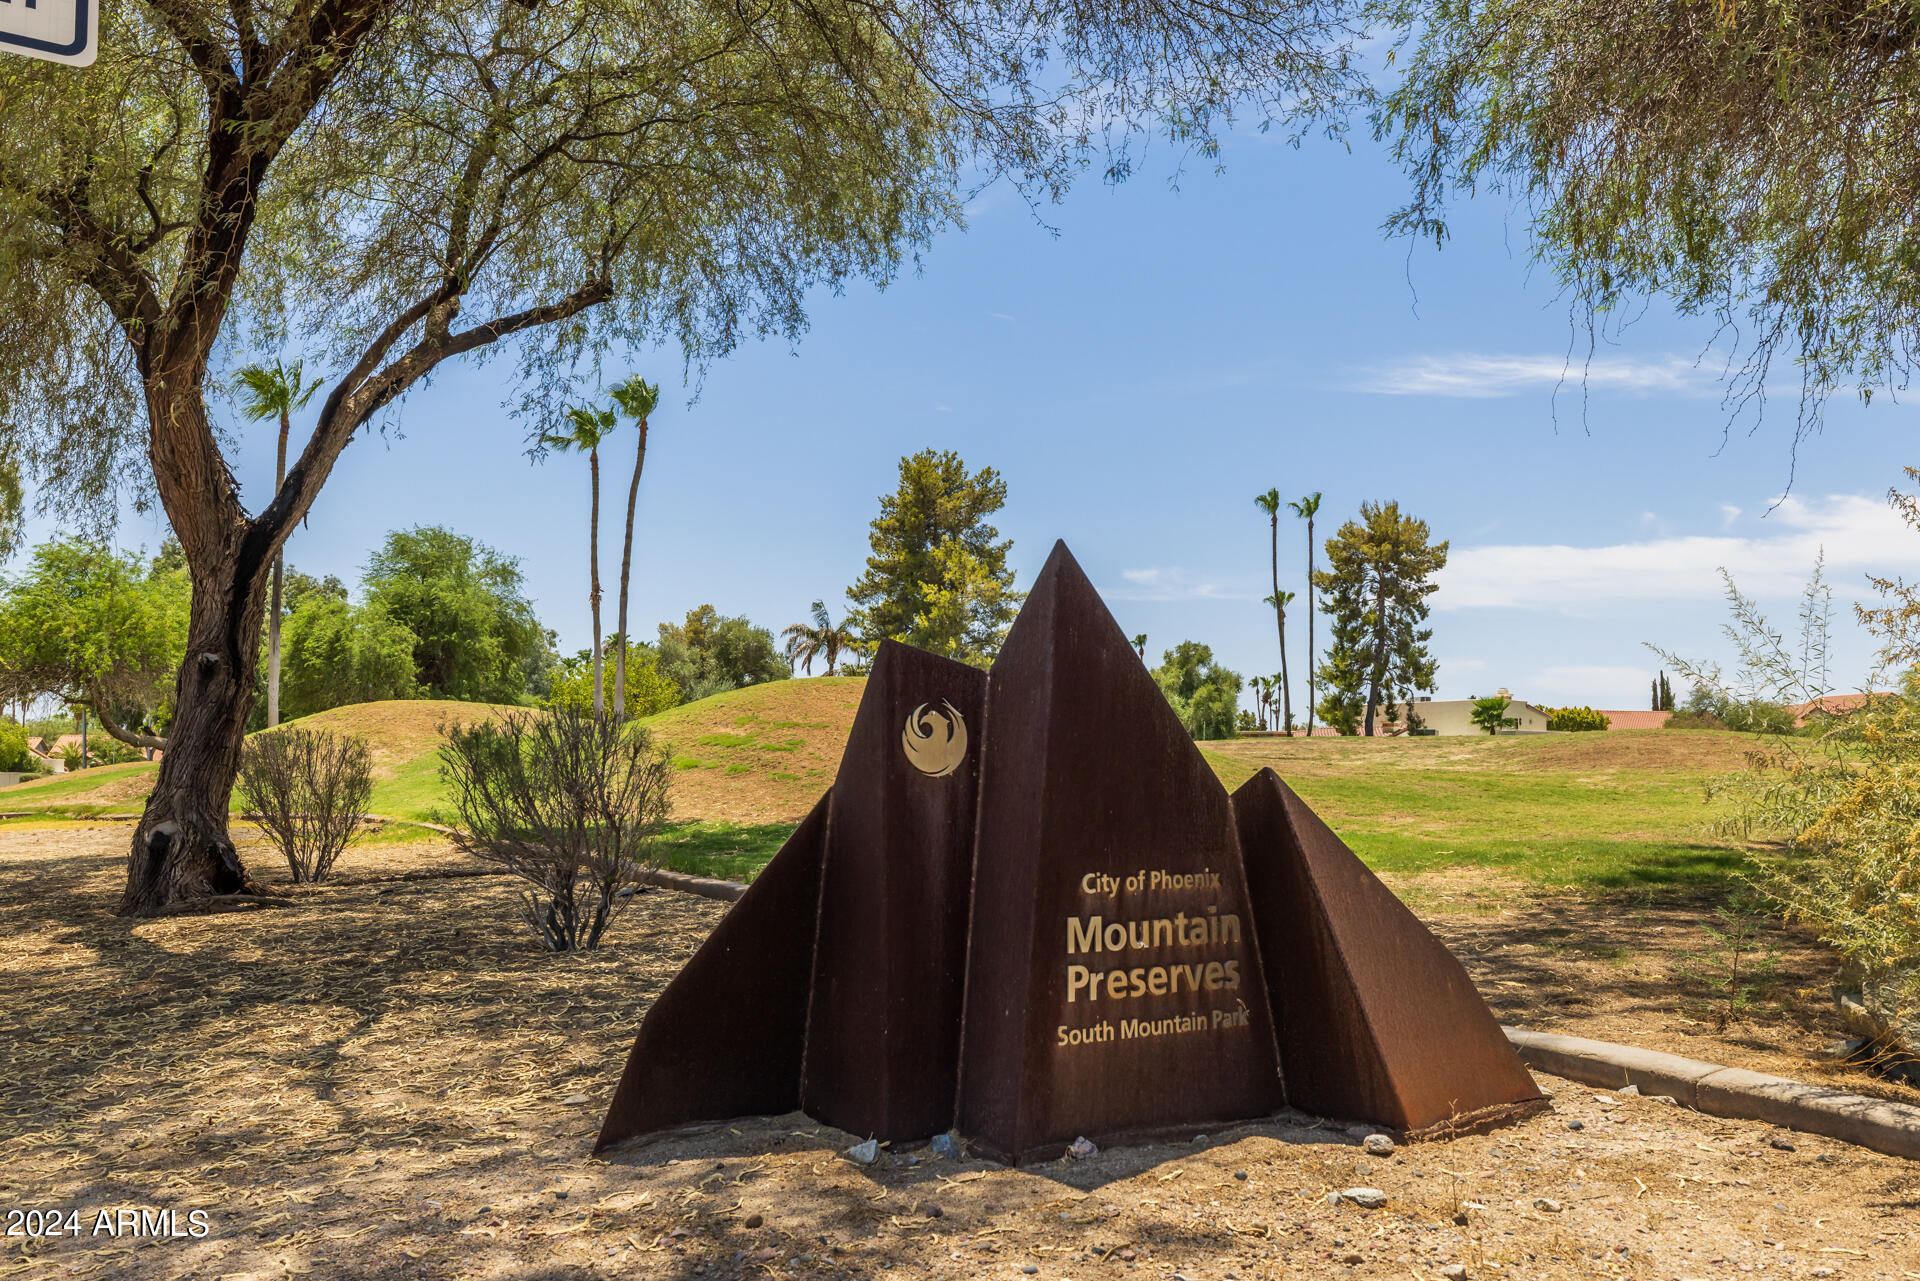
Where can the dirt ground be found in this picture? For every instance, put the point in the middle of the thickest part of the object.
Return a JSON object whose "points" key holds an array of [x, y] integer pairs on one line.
{"points": [[387, 1080]]}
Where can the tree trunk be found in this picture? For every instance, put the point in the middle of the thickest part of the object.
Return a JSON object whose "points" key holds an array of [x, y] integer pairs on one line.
{"points": [[1280, 613], [1377, 669], [273, 611], [180, 847], [1313, 687], [593, 593], [626, 572]]}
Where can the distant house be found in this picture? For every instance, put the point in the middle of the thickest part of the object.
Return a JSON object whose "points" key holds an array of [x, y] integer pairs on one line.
{"points": [[1454, 716], [1833, 706], [1640, 718]]}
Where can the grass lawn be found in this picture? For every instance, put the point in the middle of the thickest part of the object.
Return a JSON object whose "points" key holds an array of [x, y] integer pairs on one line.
{"points": [[1599, 811]]}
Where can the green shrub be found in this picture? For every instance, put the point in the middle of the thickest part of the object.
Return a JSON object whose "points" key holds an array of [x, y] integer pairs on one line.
{"points": [[1574, 720], [648, 691], [14, 756]]}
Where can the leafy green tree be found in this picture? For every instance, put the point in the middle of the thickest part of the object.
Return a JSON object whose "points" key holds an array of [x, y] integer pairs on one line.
{"points": [[1375, 587], [937, 577], [1490, 714], [1205, 695], [711, 653], [95, 628], [1306, 509], [410, 184], [1752, 162], [1269, 505], [820, 638], [473, 628], [637, 399], [15, 758], [648, 691], [586, 429], [339, 653], [274, 393]]}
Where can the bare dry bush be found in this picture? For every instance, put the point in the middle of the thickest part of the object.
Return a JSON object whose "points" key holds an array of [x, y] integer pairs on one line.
{"points": [[308, 789], [568, 802]]}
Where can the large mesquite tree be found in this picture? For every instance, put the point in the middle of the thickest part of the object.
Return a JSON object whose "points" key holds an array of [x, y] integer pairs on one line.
{"points": [[399, 183]]}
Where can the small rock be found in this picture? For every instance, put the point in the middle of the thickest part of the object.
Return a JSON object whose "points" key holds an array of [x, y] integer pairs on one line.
{"points": [[753, 1221], [86, 1027], [1547, 1204], [931, 1210], [1821, 1272], [1606, 1100], [1576, 1125], [865, 1153], [1454, 1272], [1630, 1092], [1378, 1145], [1082, 1149], [1365, 1198], [1199, 1138], [1351, 1259], [1825, 1158], [1333, 1198], [1667, 1099], [1127, 1256], [573, 1100], [1030, 1269], [764, 1254], [1461, 1218], [1783, 1145], [561, 1195], [945, 1145], [1241, 1175]]}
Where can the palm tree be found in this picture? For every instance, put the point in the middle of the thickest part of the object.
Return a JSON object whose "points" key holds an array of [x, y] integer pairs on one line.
{"points": [[1140, 643], [589, 427], [1305, 509], [1280, 601], [636, 398], [1269, 503], [1259, 686], [270, 393], [823, 639]]}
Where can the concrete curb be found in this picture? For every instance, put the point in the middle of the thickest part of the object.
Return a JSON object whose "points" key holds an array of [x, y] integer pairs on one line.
{"points": [[1893, 1128]]}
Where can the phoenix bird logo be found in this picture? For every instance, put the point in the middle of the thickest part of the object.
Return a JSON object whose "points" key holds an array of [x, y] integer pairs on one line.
{"points": [[934, 743]]}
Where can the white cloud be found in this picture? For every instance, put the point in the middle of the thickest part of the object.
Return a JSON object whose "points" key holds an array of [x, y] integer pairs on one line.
{"points": [[1728, 514], [1476, 376], [1172, 583], [1859, 535]]}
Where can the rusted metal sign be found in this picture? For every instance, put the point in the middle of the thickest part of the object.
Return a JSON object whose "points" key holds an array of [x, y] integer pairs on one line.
{"points": [[1029, 911]]}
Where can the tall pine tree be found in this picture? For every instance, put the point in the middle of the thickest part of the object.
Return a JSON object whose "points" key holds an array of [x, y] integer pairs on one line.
{"points": [[1375, 590], [938, 575]]}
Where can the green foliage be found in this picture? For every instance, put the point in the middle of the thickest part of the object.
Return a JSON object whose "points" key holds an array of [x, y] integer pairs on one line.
{"points": [[338, 653], [1737, 964], [1205, 695], [1374, 590], [937, 577], [14, 756], [711, 653], [1490, 714], [273, 392], [648, 690], [1574, 720], [1751, 162], [473, 628], [84, 621]]}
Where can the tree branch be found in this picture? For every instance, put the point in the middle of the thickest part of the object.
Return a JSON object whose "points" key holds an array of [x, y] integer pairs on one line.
{"points": [[131, 739]]}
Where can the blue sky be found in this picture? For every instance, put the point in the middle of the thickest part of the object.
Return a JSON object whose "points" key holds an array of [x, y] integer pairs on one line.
{"points": [[1137, 379]]}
